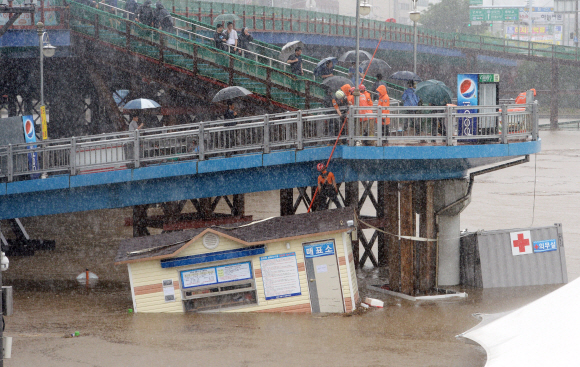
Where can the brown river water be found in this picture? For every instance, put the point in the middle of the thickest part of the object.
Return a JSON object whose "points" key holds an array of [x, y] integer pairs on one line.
{"points": [[48, 304]]}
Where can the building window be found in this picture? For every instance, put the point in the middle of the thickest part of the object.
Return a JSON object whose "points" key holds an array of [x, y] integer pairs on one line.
{"points": [[405, 6], [218, 287]]}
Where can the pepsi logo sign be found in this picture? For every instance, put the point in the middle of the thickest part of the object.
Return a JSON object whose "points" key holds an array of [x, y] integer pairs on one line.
{"points": [[29, 129], [467, 88]]}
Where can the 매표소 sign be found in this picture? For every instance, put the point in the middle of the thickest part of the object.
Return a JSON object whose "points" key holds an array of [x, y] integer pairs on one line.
{"points": [[319, 249]]}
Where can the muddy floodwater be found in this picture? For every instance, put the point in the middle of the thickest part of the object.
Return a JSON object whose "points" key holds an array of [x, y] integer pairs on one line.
{"points": [[49, 305]]}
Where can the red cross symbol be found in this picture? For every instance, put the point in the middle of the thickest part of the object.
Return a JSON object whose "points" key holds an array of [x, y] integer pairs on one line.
{"points": [[521, 242]]}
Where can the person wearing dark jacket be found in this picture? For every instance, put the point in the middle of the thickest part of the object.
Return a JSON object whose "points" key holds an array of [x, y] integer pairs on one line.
{"points": [[162, 19], [131, 6], [145, 14], [244, 40], [219, 38]]}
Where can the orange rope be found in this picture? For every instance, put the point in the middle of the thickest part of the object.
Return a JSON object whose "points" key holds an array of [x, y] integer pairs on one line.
{"points": [[341, 128], [370, 62], [328, 162]]}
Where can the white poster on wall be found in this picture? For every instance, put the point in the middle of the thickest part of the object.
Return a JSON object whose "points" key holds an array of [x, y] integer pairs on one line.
{"points": [[280, 276], [196, 278]]}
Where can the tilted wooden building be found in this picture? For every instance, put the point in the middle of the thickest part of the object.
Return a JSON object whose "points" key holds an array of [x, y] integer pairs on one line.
{"points": [[298, 263]]}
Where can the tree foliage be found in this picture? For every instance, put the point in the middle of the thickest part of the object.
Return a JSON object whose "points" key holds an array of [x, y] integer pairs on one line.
{"points": [[450, 16]]}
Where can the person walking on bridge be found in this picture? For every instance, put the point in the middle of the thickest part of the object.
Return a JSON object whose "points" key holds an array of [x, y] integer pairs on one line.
{"points": [[244, 40], [145, 14], [410, 99], [327, 188], [131, 7], [163, 19], [219, 38], [295, 61], [232, 38]]}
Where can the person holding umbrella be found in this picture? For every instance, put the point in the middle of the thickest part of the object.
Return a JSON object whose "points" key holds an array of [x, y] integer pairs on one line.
{"points": [[295, 61], [327, 70], [409, 98], [219, 38], [232, 38], [134, 124], [352, 74]]}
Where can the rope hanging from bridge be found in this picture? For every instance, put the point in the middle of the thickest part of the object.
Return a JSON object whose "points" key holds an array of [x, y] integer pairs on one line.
{"points": [[342, 128]]}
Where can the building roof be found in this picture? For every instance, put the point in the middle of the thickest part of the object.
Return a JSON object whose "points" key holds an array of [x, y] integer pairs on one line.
{"points": [[249, 234]]}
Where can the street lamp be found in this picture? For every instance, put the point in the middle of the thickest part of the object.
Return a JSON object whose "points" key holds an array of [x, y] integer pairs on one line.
{"points": [[415, 16], [363, 9], [46, 50]]}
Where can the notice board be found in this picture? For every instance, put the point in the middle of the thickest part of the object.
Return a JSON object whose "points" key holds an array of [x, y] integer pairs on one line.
{"points": [[216, 275], [280, 276]]}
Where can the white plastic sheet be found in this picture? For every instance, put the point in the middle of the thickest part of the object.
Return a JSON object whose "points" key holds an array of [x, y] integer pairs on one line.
{"points": [[545, 332]]}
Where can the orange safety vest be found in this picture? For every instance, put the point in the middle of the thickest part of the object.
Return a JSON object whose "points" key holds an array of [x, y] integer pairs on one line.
{"points": [[385, 101]]}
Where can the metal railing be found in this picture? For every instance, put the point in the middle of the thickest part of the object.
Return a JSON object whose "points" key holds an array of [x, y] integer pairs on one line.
{"points": [[266, 133], [199, 32], [196, 57]]}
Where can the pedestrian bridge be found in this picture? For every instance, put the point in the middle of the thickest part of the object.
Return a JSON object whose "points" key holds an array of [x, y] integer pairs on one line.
{"points": [[260, 153]]}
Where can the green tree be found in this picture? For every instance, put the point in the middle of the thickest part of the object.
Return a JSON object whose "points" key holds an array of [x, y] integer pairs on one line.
{"points": [[450, 16]]}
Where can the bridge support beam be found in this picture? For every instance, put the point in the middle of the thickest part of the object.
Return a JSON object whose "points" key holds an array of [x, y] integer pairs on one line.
{"points": [[554, 96], [173, 217]]}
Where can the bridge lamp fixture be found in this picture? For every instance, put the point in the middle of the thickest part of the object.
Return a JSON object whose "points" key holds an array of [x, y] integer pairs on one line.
{"points": [[46, 50], [415, 16], [365, 8], [362, 9]]}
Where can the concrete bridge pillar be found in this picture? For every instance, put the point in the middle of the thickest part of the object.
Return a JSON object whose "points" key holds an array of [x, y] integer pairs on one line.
{"points": [[448, 204]]}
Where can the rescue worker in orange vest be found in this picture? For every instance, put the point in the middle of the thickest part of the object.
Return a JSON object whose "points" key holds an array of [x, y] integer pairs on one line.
{"points": [[346, 89], [338, 101], [522, 97], [384, 101], [365, 100], [327, 188]]}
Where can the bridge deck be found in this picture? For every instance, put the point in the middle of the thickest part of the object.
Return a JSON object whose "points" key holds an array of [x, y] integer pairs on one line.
{"points": [[255, 154]]}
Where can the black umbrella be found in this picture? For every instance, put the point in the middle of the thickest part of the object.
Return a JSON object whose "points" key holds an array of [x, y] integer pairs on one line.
{"points": [[323, 62], [230, 93], [378, 66], [335, 82], [351, 56], [434, 92], [405, 75]]}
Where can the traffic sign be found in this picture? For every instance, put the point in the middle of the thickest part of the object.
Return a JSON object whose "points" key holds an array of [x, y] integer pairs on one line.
{"points": [[494, 15], [475, 2]]}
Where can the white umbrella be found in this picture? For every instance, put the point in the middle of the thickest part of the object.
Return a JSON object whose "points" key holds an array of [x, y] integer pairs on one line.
{"points": [[141, 104], [230, 93], [288, 49], [542, 333]]}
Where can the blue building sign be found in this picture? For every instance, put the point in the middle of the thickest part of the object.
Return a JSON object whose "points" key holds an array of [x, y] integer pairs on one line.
{"points": [[320, 249], [545, 246]]}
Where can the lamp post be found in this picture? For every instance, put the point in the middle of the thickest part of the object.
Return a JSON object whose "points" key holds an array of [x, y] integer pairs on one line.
{"points": [[363, 9], [45, 49], [415, 16]]}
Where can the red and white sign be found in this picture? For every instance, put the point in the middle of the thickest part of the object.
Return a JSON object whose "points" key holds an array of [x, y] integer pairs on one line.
{"points": [[521, 243]]}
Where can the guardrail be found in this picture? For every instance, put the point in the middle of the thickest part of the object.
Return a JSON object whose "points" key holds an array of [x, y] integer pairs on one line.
{"points": [[196, 57], [260, 52], [266, 133]]}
